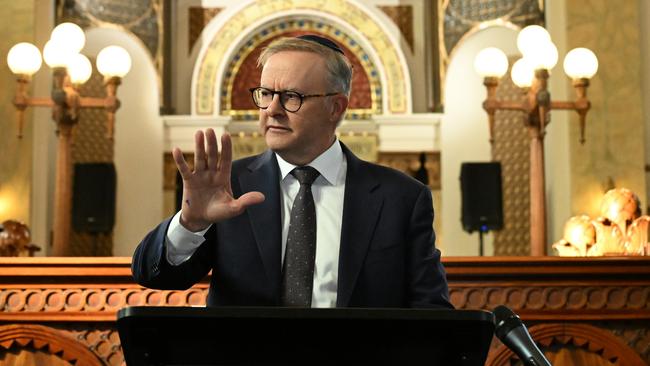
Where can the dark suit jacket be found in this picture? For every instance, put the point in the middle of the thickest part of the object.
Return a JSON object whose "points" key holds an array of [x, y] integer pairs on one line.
{"points": [[387, 256]]}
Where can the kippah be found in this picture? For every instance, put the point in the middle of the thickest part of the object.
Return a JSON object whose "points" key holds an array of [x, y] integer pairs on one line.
{"points": [[322, 41]]}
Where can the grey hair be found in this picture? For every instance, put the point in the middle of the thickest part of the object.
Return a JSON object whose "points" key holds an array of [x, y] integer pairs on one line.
{"points": [[338, 66]]}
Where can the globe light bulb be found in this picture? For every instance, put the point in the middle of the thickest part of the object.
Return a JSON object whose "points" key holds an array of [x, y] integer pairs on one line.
{"points": [[56, 54], [79, 69], [580, 63], [522, 73], [544, 56], [24, 59], [113, 61], [70, 36], [491, 62], [530, 38]]}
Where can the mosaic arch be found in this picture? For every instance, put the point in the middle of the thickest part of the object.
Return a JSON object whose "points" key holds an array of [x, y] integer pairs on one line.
{"points": [[242, 72], [355, 28]]}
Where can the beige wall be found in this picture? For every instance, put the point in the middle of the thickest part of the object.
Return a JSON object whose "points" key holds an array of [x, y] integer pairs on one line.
{"points": [[16, 25], [615, 147]]}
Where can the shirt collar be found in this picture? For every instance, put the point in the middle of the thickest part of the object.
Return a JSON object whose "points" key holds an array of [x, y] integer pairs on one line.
{"points": [[328, 163]]}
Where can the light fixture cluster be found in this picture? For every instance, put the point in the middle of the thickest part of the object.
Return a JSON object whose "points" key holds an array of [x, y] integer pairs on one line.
{"points": [[531, 73], [539, 52], [70, 69], [63, 51]]}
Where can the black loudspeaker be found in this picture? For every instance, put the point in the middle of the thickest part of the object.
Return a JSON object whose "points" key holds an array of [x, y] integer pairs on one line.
{"points": [[93, 204], [482, 198]]}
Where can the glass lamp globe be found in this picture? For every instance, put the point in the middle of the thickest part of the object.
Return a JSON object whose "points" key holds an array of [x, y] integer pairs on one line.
{"points": [[530, 38], [522, 73], [24, 59], [580, 63], [69, 35], [544, 56], [491, 62], [79, 69], [56, 54], [113, 61]]}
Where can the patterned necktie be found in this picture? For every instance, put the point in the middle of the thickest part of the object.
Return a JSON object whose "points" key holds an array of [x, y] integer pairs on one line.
{"points": [[300, 253]]}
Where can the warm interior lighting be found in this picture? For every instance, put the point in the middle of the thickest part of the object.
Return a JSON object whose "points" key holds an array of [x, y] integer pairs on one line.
{"points": [[56, 54], [70, 69], [580, 63], [24, 59], [522, 74], [113, 61], [620, 229], [69, 36], [543, 56], [3, 207], [532, 72], [491, 62], [530, 38], [79, 68]]}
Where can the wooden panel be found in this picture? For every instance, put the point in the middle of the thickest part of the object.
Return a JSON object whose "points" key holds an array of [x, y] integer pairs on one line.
{"points": [[80, 296]]}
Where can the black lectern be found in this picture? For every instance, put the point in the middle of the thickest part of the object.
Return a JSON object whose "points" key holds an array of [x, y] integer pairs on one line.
{"points": [[283, 336]]}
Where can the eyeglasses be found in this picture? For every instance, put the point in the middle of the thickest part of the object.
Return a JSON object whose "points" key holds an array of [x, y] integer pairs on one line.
{"points": [[291, 101]]}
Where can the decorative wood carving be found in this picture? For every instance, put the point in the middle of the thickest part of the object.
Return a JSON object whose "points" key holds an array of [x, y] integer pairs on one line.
{"points": [[47, 339], [80, 296], [580, 336]]}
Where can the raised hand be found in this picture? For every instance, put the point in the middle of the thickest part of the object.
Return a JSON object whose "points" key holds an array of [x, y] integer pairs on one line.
{"points": [[207, 194]]}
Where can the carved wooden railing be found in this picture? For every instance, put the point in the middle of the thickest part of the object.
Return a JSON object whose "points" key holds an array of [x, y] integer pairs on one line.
{"points": [[599, 305]]}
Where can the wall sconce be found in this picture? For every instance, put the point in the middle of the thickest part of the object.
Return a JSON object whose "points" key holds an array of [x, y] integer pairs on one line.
{"points": [[70, 70], [531, 73]]}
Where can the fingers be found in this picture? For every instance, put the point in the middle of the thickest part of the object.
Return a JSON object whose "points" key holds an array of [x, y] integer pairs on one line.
{"points": [[212, 150], [225, 163], [181, 164], [199, 151], [246, 200]]}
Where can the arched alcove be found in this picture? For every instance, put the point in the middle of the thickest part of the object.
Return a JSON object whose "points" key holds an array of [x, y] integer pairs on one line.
{"points": [[464, 132], [138, 142], [228, 33], [242, 71]]}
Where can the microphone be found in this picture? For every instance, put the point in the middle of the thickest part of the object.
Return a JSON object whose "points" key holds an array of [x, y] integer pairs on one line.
{"points": [[513, 333]]}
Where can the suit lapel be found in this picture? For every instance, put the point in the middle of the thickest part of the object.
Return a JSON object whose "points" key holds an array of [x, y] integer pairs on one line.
{"points": [[263, 176], [361, 206]]}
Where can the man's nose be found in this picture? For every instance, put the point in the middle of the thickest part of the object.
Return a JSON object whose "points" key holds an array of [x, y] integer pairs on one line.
{"points": [[275, 108]]}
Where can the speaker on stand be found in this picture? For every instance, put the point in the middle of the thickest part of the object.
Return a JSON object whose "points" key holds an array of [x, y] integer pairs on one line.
{"points": [[482, 199]]}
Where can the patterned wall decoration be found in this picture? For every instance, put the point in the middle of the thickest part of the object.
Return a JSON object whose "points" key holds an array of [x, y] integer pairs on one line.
{"points": [[512, 148], [209, 64], [402, 16], [90, 145], [243, 73], [142, 18], [199, 17], [459, 18], [102, 340]]}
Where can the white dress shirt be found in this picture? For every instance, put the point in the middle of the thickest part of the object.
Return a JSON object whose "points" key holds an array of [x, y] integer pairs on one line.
{"points": [[328, 191]]}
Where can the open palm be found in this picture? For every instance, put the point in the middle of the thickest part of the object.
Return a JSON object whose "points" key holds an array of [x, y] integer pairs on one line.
{"points": [[207, 194]]}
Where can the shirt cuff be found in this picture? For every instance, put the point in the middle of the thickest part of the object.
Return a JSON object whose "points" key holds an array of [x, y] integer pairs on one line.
{"points": [[180, 242]]}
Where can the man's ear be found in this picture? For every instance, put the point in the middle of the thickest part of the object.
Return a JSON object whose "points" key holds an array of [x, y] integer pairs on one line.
{"points": [[339, 106]]}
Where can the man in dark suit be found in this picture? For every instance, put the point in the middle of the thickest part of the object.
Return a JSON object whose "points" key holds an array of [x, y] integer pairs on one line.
{"points": [[306, 223]]}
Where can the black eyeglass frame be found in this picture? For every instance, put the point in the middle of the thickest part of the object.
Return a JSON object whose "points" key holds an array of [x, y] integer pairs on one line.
{"points": [[280, 92]]}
